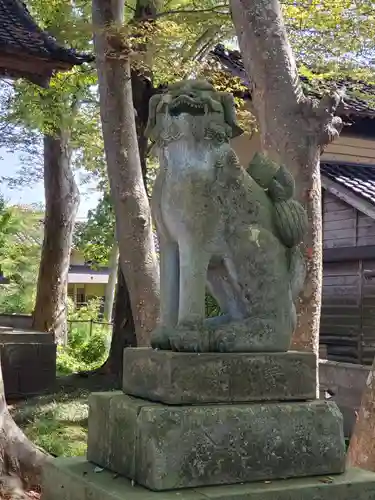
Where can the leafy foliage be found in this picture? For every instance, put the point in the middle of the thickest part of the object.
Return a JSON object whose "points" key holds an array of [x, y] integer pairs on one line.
{"points": [[88, 340], [96, 236], [339, 32], [336, 36], [21, 233], [70, 103]]}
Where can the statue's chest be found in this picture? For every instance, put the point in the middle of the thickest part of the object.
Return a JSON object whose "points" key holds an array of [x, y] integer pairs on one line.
{"points": [[190, 175], [188, 161]]}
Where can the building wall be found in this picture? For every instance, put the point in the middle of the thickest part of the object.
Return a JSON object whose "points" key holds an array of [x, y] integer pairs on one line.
{"points": [[95, 289], [351, 149], [80, 292], [344, 149], [347, 326], [341, 313], [344, 226]]}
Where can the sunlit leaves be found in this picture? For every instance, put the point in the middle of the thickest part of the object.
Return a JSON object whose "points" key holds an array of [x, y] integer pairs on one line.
{"points": [[96, 236], [21, 232], [340, 31]]}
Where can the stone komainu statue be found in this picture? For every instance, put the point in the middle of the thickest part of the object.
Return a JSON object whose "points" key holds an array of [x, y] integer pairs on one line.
{"points": [[221, 226]]}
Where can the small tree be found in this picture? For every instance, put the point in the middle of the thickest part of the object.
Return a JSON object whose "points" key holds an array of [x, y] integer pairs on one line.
{"points": [[49, 122], [133, 219]]}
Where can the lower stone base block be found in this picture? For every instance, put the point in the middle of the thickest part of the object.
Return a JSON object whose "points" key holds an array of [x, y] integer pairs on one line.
{"points": [[166, 447], [76, 479]]}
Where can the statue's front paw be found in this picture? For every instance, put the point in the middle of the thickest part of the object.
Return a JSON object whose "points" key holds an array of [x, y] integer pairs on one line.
{"points": [[160, 339], [190, 337]]}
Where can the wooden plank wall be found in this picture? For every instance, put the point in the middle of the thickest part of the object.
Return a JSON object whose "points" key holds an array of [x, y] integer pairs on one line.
{"points": [[344, 149], [350, 149], [348, 295], [340, 324], [368, 312], [344, 226]]}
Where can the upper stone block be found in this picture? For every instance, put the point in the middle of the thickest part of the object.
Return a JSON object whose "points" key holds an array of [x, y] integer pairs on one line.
{"points": [[194, 378]]}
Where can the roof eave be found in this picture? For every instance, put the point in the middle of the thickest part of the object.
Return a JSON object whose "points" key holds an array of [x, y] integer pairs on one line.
{"points": [[30, 67], [348, 196], [219, 54]]}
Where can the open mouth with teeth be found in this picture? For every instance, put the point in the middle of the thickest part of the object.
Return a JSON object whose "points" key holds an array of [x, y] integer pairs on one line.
{"points": [[187, 104]]}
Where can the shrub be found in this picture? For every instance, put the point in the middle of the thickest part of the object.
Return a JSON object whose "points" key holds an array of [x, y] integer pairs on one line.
{"points": [[87, 341]]}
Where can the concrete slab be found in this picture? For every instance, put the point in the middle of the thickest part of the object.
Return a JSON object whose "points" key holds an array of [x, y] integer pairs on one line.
{"points": [[195, 378], [76, 479]]}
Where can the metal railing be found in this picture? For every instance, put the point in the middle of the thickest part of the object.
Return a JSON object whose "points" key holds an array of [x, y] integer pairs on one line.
{"points": [[90, 324]]}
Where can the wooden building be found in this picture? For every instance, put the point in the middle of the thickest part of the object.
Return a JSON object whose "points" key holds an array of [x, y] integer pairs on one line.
{"points": [[26, 51], [347, 328]]}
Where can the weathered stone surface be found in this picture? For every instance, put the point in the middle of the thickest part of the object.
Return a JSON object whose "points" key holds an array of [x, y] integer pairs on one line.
{"points": [[28, 362], [171, 447], [75, 479], [180, 378], [236, 229]]}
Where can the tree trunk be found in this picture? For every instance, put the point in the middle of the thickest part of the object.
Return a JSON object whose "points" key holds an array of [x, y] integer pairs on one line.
{"points": [[111, 285], [361, 451], [133, 218], [123, 334], [62, 201], [143, 90], [293, 131], [20, 460]]}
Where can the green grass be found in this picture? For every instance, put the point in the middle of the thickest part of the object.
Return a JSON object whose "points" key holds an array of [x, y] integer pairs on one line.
{"points": [[57, 423]]}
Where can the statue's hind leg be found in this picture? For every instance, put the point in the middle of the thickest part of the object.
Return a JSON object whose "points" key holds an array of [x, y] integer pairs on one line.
{"points": [[251, 335]]}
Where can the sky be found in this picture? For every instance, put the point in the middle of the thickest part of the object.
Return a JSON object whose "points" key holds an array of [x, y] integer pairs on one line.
{"points": [[10, 163]]}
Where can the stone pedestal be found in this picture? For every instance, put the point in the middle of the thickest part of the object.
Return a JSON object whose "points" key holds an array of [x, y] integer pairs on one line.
{"points": [[177, 378], [28, 361], [238, 425], [168, 447]]}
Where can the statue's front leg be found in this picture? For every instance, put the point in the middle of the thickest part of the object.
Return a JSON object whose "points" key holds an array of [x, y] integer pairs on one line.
{"points": [[191, 333], [169, 283], [194, 260], [169, 293]]}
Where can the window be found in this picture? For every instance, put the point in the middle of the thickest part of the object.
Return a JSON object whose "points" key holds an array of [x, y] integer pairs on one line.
{"points": [[80, 297]]}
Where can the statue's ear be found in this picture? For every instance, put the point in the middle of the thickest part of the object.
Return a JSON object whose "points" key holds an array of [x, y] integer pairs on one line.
{"points": [[151, 122], [227, 101]]}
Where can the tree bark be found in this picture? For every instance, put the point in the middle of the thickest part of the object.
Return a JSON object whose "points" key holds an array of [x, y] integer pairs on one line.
{"points": [[143, 90], [20, 460], [123, 334], [361, 451], [133, 218], [110, 288], [293, 131], [62, 201]]}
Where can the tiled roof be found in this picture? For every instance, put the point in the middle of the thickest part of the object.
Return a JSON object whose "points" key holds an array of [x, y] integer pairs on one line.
{"points": [[359, 98], [359, 179], [20, 36]]}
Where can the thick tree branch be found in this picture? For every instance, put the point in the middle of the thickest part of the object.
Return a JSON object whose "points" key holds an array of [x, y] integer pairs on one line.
{"points": [[217, 9], [268, 57], [274, 80]]}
